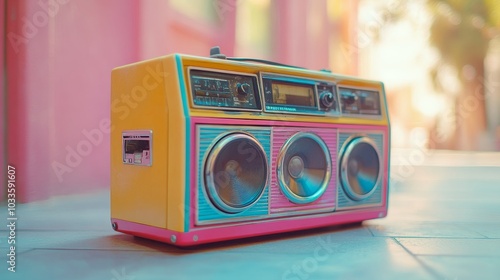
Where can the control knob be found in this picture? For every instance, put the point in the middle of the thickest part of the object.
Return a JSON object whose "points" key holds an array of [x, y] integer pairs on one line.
{"points": [[327, 99], [243, 89]]}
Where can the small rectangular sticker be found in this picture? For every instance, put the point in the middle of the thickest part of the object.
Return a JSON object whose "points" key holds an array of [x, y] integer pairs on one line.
{"points": [[137, 147]]}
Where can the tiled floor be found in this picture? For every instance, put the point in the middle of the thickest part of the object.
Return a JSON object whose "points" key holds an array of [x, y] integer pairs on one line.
{"points": [[444, 223]]}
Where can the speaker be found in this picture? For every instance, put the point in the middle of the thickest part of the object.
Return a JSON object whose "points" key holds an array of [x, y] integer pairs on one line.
{"points": [[360, 169], [304, 168], [301, 180], [233, 166], [234, 181]]}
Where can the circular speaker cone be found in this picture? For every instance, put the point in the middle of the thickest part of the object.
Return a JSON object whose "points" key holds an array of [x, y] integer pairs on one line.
{"points": [[304, 168], [236, 172], [360, 168]]}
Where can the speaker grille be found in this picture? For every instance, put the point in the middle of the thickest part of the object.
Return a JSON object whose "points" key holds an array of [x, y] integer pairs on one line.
{"points": [[236, 172], [206, 211], [360, 160]]}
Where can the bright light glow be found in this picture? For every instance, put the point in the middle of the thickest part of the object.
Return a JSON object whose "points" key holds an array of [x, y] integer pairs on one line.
{"points": [[448, 76], [429, 105]]}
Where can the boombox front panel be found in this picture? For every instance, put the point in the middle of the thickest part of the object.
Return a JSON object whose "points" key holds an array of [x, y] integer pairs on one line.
{"points": [[207, 136], [376, 197], [278, 201]]}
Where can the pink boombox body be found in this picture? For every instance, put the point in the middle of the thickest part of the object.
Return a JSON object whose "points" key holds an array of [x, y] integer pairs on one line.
{"points": [[206, 149]]}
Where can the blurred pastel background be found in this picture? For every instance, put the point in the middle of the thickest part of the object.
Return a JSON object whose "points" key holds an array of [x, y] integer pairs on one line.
{"points": [[439, 60]]}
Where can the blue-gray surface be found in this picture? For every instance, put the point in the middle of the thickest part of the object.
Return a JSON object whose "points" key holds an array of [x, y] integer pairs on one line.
{"points": [[443, 223]]}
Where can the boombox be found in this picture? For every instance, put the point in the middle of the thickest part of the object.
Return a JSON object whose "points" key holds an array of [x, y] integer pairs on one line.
{"points": [[207, 149]]}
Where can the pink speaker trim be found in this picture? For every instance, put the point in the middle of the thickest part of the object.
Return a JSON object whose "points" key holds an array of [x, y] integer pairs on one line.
{"points": [[278, 202], [215, 234]]}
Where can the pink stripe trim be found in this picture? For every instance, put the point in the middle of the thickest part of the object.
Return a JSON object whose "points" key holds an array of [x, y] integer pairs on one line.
{"points": [[203, 120]]}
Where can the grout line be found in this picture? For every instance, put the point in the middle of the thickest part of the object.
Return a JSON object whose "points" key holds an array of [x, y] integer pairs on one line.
{"points": [[97, 249], [425, 266], [464, 227], [371, 232], [448, 165], [460, 256], [438, 237]]}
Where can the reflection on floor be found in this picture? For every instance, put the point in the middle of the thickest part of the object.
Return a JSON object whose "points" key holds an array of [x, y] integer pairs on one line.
{"points": [[444, 223]]}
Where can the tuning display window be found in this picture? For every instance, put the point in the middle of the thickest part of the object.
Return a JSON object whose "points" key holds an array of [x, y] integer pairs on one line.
{"points": [[290, 94], [284, 94], [359, 101]]}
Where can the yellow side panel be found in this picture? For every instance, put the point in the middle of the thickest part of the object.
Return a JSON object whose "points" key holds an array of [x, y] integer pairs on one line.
{"points": [[138, 102]]}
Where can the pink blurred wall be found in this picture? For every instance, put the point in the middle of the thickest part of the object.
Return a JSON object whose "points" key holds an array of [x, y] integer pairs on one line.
{"points": [[59, 59], [2, 104], [300, 33]]}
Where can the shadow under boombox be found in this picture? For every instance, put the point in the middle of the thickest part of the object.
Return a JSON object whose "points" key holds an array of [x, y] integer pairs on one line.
{"points": [[207, 149]]}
